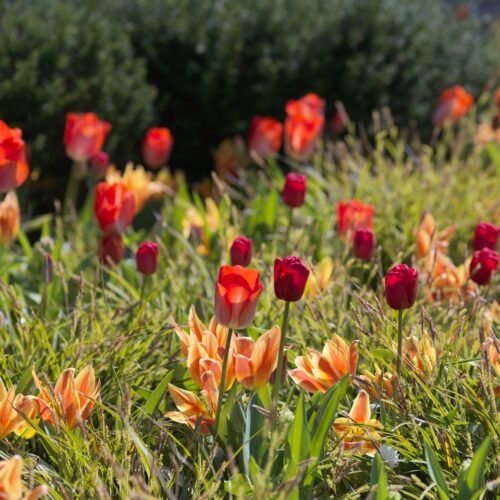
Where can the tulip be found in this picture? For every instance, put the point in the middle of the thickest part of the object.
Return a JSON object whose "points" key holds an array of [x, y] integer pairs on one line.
{"points": [[14, 167], [453, 103], [72, 398], [229, 157], [157, 147], [84, 136], [192, 411], [114, 207], [340, 119], [363, 243], [11, 487], [265, 136], [10, 218], [98, 165], [358, 432], [111, 249], [421, 354], [486, 236], [241, 251], [318, 371], [309, 105], [319, 277], [12, 409], [401, 287], [294, 191], [147, 258], [352, 215], [373, 382], [256, 361], [483, 264], [290, 278]]}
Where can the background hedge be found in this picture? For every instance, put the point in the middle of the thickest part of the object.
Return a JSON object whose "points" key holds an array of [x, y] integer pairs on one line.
{"points": [[204, 67]]}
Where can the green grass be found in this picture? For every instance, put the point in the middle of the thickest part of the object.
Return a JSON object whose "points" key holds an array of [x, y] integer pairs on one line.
{"points": [[93, 315]]}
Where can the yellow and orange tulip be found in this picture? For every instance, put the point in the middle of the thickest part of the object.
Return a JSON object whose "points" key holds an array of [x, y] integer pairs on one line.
{"points": [[319, 277], [421, 354], [12, 409], [10, 217], [11, 486], [372, 382]]}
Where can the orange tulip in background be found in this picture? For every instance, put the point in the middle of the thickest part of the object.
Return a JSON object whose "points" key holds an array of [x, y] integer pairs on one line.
{"points": [[359, 431], [453, 103], [71, 399], [114, 207], [319, 371], [10, 218], [265, 136], [12, 420], [319, 277], [352, 215], [14, 168], [421, 354], [229, 157], [256, 361], [157, 147], [372, 383], [11, 486]]}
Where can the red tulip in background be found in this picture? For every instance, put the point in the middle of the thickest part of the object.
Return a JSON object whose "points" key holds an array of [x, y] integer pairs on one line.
{"points": [[452, 105], [84, 135], [401, 286], [340, 119], [483, 264], [146, 258], [352, 215], [265, 136], [294, 192], [236, 293], [114, 207], [241, 251], [485, 236], [290, 278], [363, 243], [111, 248], [98, 164], [157, 147], [14, 168]]}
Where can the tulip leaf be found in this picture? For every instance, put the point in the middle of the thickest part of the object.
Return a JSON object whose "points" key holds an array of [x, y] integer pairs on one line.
{"points": [[435, 470], [382, 354], [155, 397], [470, 481], [238, 485], [253, 445], [378, 477]]}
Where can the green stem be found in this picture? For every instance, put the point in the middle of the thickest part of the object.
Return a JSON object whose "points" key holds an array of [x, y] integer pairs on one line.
{"points": [[289, 228], [77, 172], [277, 375], [398, 359], [143, 287], [223, 380]]}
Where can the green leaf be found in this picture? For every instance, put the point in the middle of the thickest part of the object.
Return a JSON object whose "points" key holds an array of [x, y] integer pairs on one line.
{"points": [[25, 244], [253, 442], [378, 477], [435, 470], [471, 481], [238, 485], [155, 397]]}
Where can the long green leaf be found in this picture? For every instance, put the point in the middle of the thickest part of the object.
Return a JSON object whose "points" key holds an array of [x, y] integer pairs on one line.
{"points": [[378, 477], [435, 470], [155, 397], [471, 481]]}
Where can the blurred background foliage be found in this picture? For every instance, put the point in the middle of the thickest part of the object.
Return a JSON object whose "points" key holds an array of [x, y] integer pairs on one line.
{"points": [[205, 67]]}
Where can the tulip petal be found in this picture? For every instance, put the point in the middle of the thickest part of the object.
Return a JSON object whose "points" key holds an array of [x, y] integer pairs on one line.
{"points": [[360, 411]]}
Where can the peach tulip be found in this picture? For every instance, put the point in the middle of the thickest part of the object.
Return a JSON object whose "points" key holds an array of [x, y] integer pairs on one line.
{"points": [[14, 167], [10, 218], [421, 354], [11, 486], [319, 277], [372, 382], [13, 408]]}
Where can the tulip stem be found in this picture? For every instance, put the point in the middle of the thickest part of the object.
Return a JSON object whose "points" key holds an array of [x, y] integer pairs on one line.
{"points": [[277, 375], [143, 287], [223, 379], [289, 228], [77, 171], [398, 359]]}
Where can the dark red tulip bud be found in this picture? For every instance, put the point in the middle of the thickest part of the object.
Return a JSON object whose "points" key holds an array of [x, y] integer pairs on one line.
{"points": [[485, 236], [98, 165], [241, 251], [111, 249], [294, 191], [290, 278], [363, 243], [401, 286], [147, 258], [483, 264], [340, 119]]}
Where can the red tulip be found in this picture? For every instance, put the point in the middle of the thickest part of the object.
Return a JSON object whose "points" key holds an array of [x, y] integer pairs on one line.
{"points": [[290, 278], [111, 248], [236, 294], [14, 168], [114, 207], [98, 164], [485, 236], [309, 105], [147, 258], [401, 286], [363, 243], [352, 215], [265, 136], [241, 251], [483, 264], [453, 104], [294, 191], [84, 135], [157, 147]]}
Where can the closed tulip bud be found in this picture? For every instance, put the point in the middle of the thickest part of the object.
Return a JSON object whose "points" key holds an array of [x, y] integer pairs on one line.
{"points": [[483, 264], [363, 243], [111, 249], [98, 165], [290, 278], [10, 218], [236, 293], [147, 258], [48, 270], [14, 168], [294, 192], [157, 147], [241, 251], [401, 286], [84, 135], [485, 236]]}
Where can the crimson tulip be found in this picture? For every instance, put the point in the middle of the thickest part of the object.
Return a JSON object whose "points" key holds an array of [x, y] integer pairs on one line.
{"points": [[485, 236], [241, 251], [111, 248], [363, 243], [294, 191], [483, 264], [290, 278], [146, 258], [401, 287]]}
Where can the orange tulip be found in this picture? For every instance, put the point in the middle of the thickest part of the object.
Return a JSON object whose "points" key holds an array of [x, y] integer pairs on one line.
{"points": [[372, 382], [229, 157], [319, 371], [114, 207], [14, 168], [427, 239], [10, 217], [358, 431], [265, 136], [11, 487], [452, 105], [352, 215], [256, 361], [192, 411], [492, 348], [157, 146], [12, 420], [421, 354], [72, 398], [319, 277]]}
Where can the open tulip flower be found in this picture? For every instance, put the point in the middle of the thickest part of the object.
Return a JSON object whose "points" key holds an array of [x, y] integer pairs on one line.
{"points": [[256, 361], [352, 215], [14, 168], [114, 207], [372, 382], [193, 412], [319, 277], [453, 103], [265, 136], [11, 486], [486, 235], [359, 431], [319, 371], [71, 399], [483, 265], [13, 408], [421, 354], [10, 218]]}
